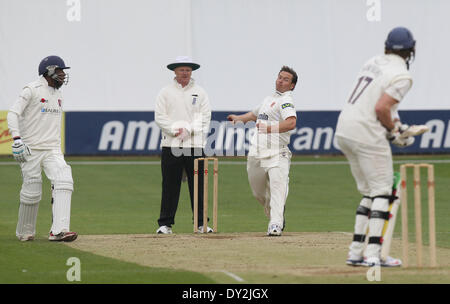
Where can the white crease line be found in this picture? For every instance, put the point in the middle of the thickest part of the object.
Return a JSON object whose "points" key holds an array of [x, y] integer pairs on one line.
{"points": [[232, 275]]}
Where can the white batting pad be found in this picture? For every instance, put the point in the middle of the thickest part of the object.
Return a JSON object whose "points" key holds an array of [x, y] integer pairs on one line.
{"points": [[62, 180], [31, 191], [376, 226], [26, 225], [61, 211]]}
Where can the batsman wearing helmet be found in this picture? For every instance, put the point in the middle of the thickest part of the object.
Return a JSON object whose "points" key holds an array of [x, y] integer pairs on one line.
{"points": [[367, 125], [34, 121], [269, 157]]}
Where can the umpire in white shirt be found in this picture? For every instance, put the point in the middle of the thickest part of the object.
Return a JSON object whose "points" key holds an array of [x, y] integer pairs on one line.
{"points": [[183, 113]]}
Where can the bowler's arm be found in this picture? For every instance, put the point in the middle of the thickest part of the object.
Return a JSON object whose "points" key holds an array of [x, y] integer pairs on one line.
{"points": [[249, 116]]}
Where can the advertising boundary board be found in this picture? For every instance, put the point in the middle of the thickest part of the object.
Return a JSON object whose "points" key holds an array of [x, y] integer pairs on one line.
{"points": [[136, 133]]}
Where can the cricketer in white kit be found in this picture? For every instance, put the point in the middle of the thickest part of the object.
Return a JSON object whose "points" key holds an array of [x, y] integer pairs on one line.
{"points": [[34, 121], [269, 157], [368, 122]]}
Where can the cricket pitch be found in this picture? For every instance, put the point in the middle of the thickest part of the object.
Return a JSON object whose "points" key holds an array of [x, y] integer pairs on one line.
{"points": [[253, 257]]}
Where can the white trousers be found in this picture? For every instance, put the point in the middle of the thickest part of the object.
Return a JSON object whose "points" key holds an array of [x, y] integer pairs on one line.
{"points": [[269, 181], [60, 176], [372, 170], [371, 166]]}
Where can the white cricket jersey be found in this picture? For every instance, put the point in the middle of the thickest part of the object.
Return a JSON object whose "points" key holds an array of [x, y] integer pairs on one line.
{"points": [[39, 108], [272, 111], [358, 120]]}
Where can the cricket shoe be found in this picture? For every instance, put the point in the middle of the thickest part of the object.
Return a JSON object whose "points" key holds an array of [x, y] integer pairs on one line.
{"points": [[164, 230], [274, 230], [26, 237], [208, 229], [64, 236], [391, 262], [355, 260]]}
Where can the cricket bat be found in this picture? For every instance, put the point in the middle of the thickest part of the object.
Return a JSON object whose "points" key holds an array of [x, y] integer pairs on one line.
{"points": [[388, 229], [413, 130]]}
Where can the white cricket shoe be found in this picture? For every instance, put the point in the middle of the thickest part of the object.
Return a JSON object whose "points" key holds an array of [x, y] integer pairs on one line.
{"points": [[354, 260], [208, 229], [391, 262], [25, 237], [164, 230], [274, 230], [65, 236]]}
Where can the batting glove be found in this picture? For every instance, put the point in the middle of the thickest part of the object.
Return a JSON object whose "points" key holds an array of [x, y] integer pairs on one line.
{"points": [[396, 139], [20, 150], [412, 130]]}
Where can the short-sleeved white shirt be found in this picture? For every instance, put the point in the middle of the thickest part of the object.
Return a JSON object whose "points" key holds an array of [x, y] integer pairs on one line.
{"points": [[272, 111], [358, 120]]}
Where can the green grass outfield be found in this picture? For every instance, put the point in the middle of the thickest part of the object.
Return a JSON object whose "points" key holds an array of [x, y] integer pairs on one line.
{"points": [[122, 196]]}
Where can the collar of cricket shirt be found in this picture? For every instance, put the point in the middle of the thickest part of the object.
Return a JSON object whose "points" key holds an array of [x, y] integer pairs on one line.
{"points": [[279, 94], [43, 80], [45, 83], [189, 85], [396, 57]]}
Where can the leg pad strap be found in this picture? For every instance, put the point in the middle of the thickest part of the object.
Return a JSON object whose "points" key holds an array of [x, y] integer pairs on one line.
{"points": [[391, 198], [375, 240], [361, 210], [359, 238], [379, 214]]}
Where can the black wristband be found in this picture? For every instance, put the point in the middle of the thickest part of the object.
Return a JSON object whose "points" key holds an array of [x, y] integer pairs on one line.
{"points": [[17, 137]]}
